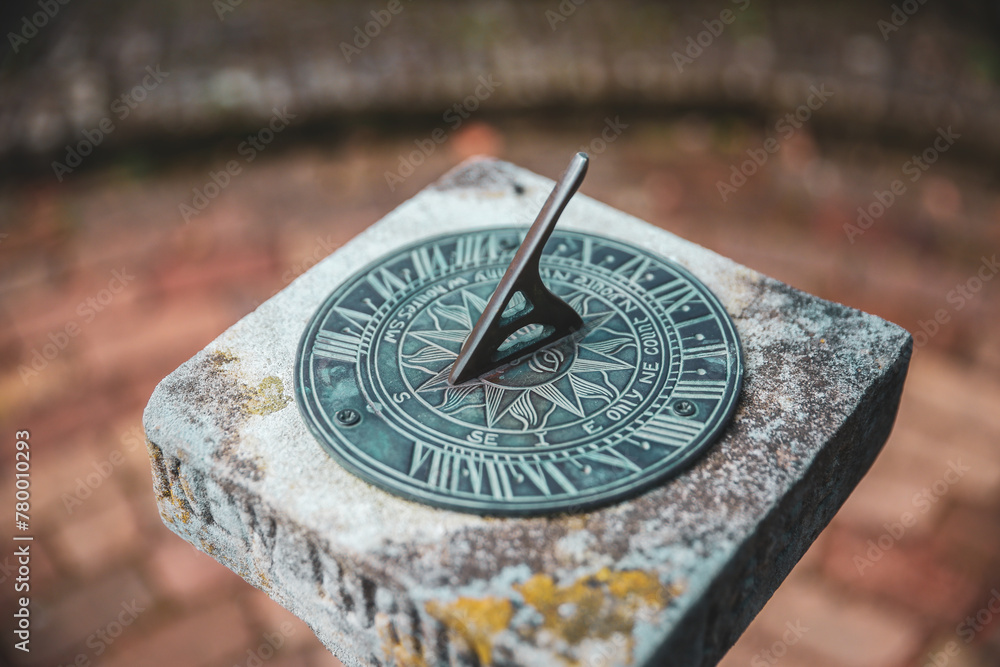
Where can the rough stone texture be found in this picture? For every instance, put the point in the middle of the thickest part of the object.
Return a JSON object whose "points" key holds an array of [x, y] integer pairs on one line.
{"points": [[674, 575]]}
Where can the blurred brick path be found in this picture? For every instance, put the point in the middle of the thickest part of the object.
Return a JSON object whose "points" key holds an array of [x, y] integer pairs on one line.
{"points": [[99, 543]]}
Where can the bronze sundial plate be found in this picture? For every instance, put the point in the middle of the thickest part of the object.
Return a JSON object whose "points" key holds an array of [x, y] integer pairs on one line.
{"points": [[628, 401]]}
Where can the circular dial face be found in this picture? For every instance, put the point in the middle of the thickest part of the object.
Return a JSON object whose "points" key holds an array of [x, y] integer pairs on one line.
{"points": [[599, 416]]}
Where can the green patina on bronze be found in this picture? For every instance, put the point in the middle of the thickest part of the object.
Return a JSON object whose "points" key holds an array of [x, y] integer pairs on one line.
{"points": [[638, 393]]}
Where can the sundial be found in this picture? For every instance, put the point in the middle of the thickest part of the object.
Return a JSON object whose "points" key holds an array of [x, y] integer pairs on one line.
{"points": [[454, 356], [519, 371]]}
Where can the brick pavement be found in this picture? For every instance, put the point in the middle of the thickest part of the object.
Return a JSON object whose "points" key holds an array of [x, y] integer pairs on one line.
{"points": [[869, 592]]}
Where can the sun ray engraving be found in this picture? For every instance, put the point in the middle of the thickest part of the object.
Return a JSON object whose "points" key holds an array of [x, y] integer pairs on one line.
{"points": [[454, 398], [554, 395], [562, 379], [609, 346], [523, 410], [586, 389]]}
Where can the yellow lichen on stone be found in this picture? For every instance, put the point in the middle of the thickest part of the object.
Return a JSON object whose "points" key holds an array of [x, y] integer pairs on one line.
{"points": [[161, 485], [182, 511], [475, 620], [164, 490], [596, 606], [186, 488], [221, 357], [642, 585], [268, 397], [400, 650]]}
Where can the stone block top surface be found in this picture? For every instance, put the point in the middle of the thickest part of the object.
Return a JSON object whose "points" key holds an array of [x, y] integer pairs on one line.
{"points": [[674, 574]]}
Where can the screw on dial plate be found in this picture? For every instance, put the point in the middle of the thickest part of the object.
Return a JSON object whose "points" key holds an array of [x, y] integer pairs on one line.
{"points": [[685, 408], [348, 417]]}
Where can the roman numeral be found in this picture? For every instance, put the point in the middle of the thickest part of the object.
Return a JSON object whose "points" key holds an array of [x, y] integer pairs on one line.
{"points": [[537, 477], [695, 389], [468, 249], [694, 320], [386, 283], [669, 292], [337, 346], [669, 431], [702, 351], [427, 261], [559, 477], [476, 477], [445, 467], [674, 294], [536, 473], [445, 470], [587, 250], [679, 300], [635, 268], [420, 454], [612, 457], [498, 475], [355, 317], [493, 251]]}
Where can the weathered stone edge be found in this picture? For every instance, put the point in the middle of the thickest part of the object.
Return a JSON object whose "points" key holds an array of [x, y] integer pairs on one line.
{"points": [[187, 507], [717, 620], [767, 556]]}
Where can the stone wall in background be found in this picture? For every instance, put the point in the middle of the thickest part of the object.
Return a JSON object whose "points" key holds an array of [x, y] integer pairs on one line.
{"points": [[161, 71]]}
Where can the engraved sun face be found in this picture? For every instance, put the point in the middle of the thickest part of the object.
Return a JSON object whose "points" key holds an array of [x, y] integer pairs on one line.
{"points": [[541, 367], [561, 383]]}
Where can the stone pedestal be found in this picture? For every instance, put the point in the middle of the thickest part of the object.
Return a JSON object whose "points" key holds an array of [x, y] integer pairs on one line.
{"points": [[671, 577]]}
